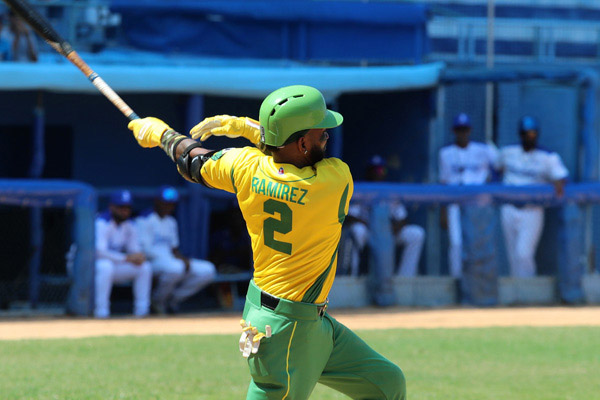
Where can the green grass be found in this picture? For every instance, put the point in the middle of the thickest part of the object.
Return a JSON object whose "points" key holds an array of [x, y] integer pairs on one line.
{"points": [[465, 364]]}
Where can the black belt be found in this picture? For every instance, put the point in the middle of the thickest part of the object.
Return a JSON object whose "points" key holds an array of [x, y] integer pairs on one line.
{"points": [[271, 302]]}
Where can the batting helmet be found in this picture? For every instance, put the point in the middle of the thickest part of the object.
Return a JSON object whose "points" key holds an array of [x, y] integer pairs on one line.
{"points": [[528, 123], [293, 109]]}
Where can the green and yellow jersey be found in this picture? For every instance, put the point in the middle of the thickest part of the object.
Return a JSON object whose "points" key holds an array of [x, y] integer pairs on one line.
{"points": [[294, 217]]}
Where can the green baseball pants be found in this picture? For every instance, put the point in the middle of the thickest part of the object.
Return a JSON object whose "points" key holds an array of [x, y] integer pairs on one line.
{"points": [[306, 348]]}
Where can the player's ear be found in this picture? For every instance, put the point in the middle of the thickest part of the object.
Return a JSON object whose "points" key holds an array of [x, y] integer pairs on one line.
{"points": [[302, 145]]}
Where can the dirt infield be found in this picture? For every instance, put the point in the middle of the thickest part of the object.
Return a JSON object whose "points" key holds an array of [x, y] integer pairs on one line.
{"points": [[368, 318]]}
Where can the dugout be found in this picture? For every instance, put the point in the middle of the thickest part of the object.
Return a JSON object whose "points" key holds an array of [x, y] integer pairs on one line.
{"points": [[24, 204], [223, 57], [565, 101], [219, 57]]}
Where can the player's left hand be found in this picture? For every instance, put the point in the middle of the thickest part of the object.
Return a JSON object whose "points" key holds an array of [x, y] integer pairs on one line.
{"points": [[148, 131], [227, 125]]}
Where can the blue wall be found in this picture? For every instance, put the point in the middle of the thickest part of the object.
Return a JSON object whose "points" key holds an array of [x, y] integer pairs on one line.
{"points": [[295, 30], [97, 147], [102, 151]]}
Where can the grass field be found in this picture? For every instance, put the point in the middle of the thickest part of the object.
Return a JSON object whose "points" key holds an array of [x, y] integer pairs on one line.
{"points": [[466, 364]]}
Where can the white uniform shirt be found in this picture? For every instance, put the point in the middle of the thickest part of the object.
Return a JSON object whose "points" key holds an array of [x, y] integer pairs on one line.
{"points": [[114, 241], [466, 166], [530, 167], [158, 236], [361, 211]]}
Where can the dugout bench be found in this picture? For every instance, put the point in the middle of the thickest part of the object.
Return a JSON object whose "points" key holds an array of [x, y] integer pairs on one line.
{"points": [[233, 280]]}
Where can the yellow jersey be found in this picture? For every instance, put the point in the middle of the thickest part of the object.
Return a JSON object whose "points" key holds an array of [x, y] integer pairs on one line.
{"points": [[294, 217]]}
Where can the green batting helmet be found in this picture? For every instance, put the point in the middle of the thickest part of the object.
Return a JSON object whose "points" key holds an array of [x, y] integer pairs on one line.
{"points": [[292, 109]]}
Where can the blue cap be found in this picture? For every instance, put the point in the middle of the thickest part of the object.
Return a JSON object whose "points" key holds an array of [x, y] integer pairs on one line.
{"points": [[528, 123], [168, 194], [376, 161], [121, 198], [462, 120]]}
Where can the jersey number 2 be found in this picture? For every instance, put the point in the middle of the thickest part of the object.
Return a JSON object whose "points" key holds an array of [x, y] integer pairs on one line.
{"points": [[282, 225]]}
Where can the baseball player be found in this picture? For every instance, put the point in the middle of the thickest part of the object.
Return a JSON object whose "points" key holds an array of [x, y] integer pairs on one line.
{"points": [[294, 201], [119, 257], [179, 277], [527, 164], [463, 162], [410, 237]]}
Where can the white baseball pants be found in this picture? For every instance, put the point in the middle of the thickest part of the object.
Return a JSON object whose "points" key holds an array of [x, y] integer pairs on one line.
{"points": [[109, 272], [455, 239], [522, 229], [410, 237], [360, 234], [174, 284]]}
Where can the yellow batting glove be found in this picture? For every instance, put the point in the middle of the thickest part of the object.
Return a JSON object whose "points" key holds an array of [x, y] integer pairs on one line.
{"points": [[148, 131], [227, 125], [251, 337]]}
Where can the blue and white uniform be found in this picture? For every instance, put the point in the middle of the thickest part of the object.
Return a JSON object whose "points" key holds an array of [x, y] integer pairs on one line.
{"points": [[159, 237], [410, 237], [522, 226], [113, 243], [470, 165]]}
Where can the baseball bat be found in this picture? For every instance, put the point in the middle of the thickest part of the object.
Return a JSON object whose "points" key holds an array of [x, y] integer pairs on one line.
{"points": [[41, 25]]}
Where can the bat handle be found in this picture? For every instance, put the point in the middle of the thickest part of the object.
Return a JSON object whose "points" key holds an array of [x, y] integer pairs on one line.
{"points": [[101, 85], [112, 96]]}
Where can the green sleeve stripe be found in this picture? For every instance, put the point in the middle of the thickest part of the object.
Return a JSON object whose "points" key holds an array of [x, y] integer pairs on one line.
{"points": [[232, 180], [312, 294], [218, 154], [342, 208]]}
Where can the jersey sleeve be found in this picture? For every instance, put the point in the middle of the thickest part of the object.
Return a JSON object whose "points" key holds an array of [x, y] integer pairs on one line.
{"points": [[493, 155], [218, 171], [143, 229], [500, 157], [350, 185], [556, 168], [340, 176], [133, 242], [174, 233], [444, 167], [102, 248]]}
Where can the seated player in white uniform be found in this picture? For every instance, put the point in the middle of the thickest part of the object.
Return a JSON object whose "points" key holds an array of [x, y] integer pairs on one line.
{"points": [[463, 162], [179, 277], [410, 237], [526, 164], [119, 257]]}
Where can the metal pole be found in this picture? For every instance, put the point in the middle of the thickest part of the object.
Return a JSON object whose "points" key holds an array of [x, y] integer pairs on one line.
{"points": [[336, 148], [36, 234], [195, 243], [489, 87], [436, 135]]}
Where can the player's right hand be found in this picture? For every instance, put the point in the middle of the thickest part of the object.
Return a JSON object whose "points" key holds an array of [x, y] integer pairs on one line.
{"points": [[227, 125], [148, 131]]}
